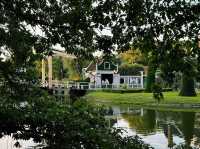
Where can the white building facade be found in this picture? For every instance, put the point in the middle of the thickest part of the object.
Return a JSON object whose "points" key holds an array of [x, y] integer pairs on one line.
{"points": [[105, 74]]}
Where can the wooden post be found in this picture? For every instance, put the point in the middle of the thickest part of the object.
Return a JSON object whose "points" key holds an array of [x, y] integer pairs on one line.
{"points": [[142, 80], [170, 136], [141, 112], [199, 41], [50, 71], [43, 73]]}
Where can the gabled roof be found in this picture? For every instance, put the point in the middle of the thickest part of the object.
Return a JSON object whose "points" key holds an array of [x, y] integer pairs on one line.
{"points": [[107, 65], [100, 63]]}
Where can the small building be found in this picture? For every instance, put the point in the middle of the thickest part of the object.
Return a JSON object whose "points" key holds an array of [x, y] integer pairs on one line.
{"points": [[105, 74]]}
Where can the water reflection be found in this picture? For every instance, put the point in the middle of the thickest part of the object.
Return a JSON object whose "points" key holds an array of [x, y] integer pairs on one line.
{"points": [[170, 136], [143, 123], [162, 129], [16, 135], [188, 120], [8, 142]]}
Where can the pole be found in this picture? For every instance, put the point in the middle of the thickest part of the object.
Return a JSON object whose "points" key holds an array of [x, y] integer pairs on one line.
{"points": [[43, 73], [50, 71], [142, 80], [170, 136]]}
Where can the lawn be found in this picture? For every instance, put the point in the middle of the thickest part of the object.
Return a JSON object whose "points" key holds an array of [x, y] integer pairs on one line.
{"points": [[171, 99]]}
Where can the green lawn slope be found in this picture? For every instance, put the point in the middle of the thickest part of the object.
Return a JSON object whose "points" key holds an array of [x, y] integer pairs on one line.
{"points": [[171, 99]]}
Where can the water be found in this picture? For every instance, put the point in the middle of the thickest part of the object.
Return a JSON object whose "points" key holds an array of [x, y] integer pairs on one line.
{"points": [[160, 129], [8, 142]]}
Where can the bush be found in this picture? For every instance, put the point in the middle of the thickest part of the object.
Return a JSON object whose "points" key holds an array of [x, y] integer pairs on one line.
{"points": [[130, 69], [124, 86], [75, 93], [150, 80], [157, 92], [77, 126]]}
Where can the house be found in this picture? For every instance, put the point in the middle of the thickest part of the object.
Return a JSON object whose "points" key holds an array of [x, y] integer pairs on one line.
{"points": [[105, 74]]}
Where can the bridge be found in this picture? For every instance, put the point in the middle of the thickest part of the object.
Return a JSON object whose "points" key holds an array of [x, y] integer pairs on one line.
{"points": [[48, 58], [61, 87]]}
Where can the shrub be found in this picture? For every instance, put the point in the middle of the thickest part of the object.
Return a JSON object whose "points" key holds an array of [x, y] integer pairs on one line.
{"points": [[130, 69], [150, 80], [124, 86], [75, 93], [157, 92], [77, 126]]}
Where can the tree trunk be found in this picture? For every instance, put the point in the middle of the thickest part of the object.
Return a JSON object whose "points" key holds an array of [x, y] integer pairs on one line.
{"points": [[150, 77], [188, 88]]}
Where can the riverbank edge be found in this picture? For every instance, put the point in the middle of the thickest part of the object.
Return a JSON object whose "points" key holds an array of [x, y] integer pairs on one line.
{"points": [[161, 107], [188, 107]]}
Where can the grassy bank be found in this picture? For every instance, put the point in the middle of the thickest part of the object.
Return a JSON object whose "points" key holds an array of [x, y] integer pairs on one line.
{"points": [[171, 99]]}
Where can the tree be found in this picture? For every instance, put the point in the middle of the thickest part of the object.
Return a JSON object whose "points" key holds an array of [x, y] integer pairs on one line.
{"points": [[69, 23], [186, 64], [134, 56], [130, 69], [188, 76], [64, 22], [150, 77], [153, 26], [18, 41], [59, 72], [175, 28]]}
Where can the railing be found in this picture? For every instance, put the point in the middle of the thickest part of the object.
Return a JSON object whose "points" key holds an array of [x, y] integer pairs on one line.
{"points": [[61, 89], [93, 86]]}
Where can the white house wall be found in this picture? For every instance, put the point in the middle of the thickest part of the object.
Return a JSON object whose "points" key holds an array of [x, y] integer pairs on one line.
{"points": [[131, 81], [116, 79], [98, 80]]}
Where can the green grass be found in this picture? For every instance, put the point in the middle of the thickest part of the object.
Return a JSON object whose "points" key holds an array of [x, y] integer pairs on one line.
{"points": [[171, 99]]}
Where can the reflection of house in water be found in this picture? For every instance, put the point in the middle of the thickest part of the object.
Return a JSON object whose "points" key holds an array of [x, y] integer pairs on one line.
{"points": [[104, 74]]}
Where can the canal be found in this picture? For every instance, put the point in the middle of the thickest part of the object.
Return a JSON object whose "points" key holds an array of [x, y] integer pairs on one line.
{"points": [[160, 129]]}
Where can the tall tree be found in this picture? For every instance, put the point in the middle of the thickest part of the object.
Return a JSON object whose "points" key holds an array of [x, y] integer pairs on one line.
{"points": [[153, 26], [25, 25], [148, 25]]}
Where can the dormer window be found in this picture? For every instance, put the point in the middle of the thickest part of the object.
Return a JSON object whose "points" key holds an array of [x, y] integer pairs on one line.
{"points": [[106, 65]]}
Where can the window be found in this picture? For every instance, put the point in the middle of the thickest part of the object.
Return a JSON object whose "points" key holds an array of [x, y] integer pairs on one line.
{"points": [[121, 80], [106, 65]]}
